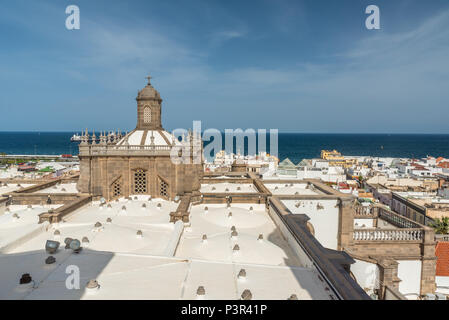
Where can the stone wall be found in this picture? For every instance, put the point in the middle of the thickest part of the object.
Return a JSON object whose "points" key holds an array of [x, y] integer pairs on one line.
{"points": [[98, 174]]}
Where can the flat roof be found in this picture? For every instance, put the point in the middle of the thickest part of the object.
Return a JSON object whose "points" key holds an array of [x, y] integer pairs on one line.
{"points": [[291, 189], [130, 267], [228, 187]]}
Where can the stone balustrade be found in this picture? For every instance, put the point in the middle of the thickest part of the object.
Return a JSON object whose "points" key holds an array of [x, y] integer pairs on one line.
{"points": [[410, 234], [112, 150], [363, 211]]}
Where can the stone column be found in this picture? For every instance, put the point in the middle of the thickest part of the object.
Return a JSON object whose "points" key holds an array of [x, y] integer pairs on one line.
{"points": [[346, 222], [388, 276], [428, 267]]}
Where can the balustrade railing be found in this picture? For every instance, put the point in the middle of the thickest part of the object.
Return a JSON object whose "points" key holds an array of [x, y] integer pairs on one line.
{"points": [[388, 234], [131, 149], [364, 211], [396, 219]]}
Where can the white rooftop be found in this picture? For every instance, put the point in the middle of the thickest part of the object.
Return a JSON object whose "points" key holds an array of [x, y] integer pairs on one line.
{"points": [[20, 224], [228, 187], [130, 267], [290, 189], [11, 187], [60, 188]]}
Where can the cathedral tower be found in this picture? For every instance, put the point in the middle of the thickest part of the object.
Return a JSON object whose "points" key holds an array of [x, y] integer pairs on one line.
{"points": [[149, 104]]}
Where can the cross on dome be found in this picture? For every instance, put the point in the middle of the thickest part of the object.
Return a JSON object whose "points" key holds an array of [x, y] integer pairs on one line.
{"points": [[149, 78]]}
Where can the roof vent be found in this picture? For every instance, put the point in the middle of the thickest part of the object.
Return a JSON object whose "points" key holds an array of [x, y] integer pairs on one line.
{"points": [[238, 188], [63, 190], [108, 220], [67, 242], [227, 190], [247, 295], [139, 234], [233, 228], [213, 188], [75, 245], [51, 246], [275, 188], [15, 216], [230, 215], [109, 206], [144, 206], [251, 209], [7, 210], [204, 238], [92, 286], [206, 209], [29, 207], [50, 260], [149, 198], [242, 274], [25, 278], [135, 198], [159, 206], [228, 205], [200, 292], [85, 240], [234, 234], [98, 225], [57, 233], [260, 237], [293, 297], [236, 248]]}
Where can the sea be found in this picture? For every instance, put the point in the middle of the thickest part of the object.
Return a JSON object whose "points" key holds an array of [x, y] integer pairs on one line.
{"points": [[295, 146]]}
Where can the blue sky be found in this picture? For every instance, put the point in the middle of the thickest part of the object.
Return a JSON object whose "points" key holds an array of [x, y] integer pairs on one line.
{"points": [[305, 66]]}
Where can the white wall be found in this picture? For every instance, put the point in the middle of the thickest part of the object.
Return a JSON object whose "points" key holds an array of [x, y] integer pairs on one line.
{"points": [[366, 274], [442, 282], [325, 221], [409, 271], [358, 223]]}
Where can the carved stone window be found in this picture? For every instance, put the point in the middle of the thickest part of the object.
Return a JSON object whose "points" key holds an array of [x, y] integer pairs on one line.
{"points": [[140, 181], [163, 188], [147, 114], [116, 188]]}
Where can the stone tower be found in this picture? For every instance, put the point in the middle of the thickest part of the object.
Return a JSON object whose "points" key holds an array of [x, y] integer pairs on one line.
{"points": [[140, 162], [149, 104]]}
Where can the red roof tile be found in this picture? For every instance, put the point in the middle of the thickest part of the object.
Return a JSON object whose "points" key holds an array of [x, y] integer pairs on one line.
{"points": [[442, 253], [443, 164]]}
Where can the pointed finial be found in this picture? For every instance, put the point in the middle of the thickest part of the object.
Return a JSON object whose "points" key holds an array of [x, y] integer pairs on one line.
{"points": [[149, 78]]}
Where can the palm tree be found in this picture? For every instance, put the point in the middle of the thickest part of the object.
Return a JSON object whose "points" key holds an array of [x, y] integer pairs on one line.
{"points": [[441, 226]]}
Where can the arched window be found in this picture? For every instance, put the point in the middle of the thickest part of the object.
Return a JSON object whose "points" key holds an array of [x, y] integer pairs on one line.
{"points": [[140, 181], [147, 114]]}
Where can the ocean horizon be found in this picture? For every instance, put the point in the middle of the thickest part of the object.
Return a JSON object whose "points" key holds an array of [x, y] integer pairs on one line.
{"points": [[295, 146]]}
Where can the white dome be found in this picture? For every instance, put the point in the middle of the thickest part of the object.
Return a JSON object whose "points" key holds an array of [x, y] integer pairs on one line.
{"points": [[144, 138]]}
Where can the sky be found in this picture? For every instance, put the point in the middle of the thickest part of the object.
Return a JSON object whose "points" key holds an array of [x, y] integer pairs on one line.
{"points": [[297, 66]]}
